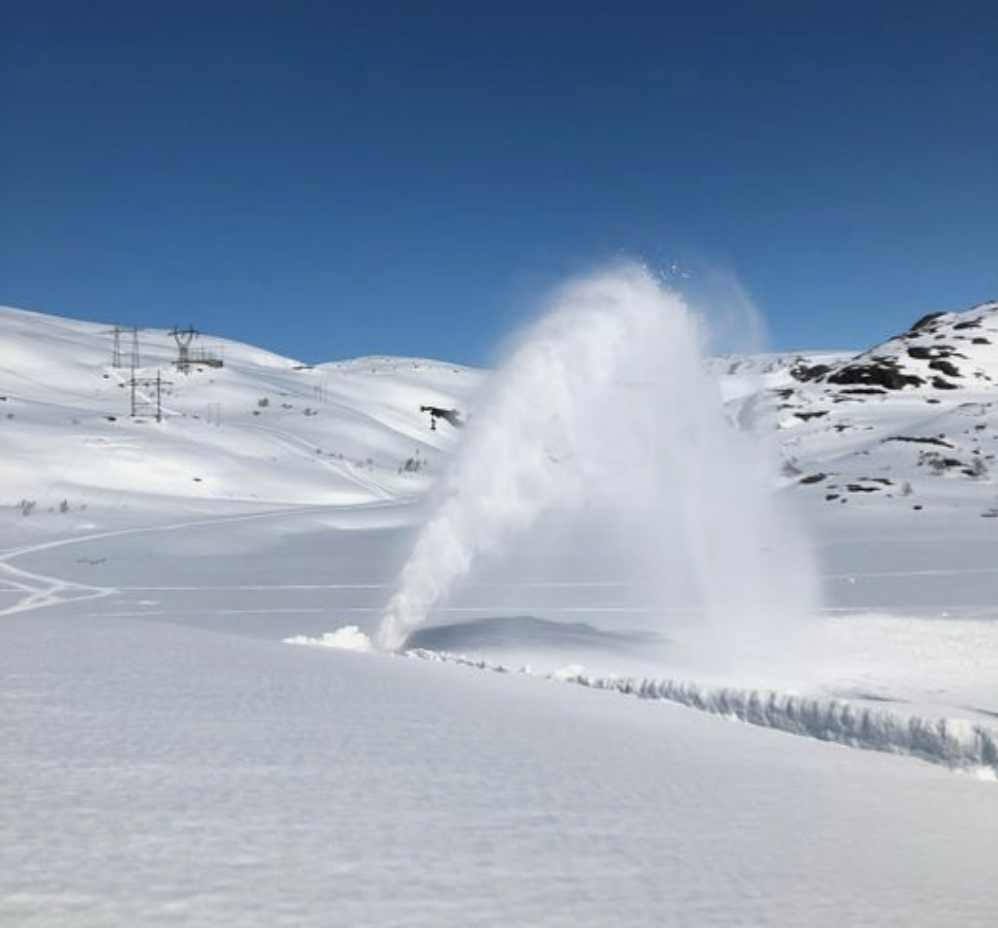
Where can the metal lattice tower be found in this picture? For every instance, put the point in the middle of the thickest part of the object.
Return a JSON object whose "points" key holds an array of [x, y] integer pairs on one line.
{"points": [[147, 396], [125, 348], [183, 338]]}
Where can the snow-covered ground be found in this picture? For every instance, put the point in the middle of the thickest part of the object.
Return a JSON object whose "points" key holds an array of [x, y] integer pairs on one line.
{"points": [[261, 428], [167, 759]]}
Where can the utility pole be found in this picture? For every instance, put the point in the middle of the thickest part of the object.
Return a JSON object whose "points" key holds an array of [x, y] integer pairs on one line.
{"points": [[141, 404], [183, 338], [135, 360], [125, 346]]}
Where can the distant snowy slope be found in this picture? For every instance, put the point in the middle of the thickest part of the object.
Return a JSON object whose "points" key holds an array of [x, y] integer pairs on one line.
{"points": [[743, 375], [909, 424], [260, 428], [943, 351]]}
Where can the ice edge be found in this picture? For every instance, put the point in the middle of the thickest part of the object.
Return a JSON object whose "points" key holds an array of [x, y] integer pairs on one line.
{"points": [[953, 743]]}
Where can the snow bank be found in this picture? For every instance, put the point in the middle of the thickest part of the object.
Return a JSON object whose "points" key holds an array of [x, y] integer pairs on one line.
{"points": [[953, 743]]}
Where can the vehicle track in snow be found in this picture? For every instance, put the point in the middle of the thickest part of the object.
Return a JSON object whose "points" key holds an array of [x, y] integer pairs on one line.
{"points": [[342, 468], [39, 590]]}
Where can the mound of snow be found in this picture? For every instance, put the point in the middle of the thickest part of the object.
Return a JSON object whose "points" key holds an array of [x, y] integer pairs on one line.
{"points": [[347, 638]]}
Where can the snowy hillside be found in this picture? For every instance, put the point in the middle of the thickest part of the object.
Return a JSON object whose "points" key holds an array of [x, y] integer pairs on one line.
{"points": [[909, 424], [910, 421], [170, 759], [260, 428]]}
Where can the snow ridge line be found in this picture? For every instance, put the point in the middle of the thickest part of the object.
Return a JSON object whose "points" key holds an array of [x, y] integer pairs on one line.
{"points": [[953, 743]]}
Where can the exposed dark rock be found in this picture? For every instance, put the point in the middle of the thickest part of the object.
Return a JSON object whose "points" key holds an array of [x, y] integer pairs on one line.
{"points": [[945, 367], [938, 464], [813, 478], [806, 373], [879, 373], [941, 384], [926, 321], [934, 352], [919, 440], [811, 415]]}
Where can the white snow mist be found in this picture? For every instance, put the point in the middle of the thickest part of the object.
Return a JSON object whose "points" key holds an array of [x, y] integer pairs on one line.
{"points": [[605, 408]]}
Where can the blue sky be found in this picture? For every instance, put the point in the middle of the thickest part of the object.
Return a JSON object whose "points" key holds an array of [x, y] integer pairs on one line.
{"points": [[342, 178]]}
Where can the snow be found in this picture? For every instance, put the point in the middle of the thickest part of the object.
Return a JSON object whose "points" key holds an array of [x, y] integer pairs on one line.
{"points": [[158, 772], [168, 759], [260, 429], [347, 638]]}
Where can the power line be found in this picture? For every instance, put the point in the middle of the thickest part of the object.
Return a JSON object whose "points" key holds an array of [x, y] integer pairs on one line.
{"points": [[183, 338], [125, 346], [142, 404]]}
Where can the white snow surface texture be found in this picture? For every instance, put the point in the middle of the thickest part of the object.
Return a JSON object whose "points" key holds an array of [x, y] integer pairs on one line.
{"points": [[168, 760]]}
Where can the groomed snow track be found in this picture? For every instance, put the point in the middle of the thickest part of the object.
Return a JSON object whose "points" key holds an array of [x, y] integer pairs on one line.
{"points": [[954, 743]]}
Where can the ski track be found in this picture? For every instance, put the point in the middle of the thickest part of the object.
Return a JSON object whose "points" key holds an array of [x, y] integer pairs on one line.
{"points": [[342, 468], [955, 744], [41, 591]]}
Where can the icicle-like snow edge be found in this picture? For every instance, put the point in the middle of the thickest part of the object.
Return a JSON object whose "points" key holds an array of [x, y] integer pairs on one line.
{"points": [[954, 743]]}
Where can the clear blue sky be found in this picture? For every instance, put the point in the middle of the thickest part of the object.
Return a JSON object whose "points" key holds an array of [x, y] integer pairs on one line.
{"points": [[337, 178]]}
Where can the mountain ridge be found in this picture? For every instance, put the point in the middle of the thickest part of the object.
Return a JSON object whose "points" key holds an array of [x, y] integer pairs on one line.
{"points": [[912, 420]]}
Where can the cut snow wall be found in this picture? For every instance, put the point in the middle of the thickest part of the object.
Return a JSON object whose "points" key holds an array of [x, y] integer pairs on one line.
{"points": [[951, 742]]}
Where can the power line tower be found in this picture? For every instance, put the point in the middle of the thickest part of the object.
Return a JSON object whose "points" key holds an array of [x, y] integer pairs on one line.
{"points": [[147, 395], [183, 338], [125, 346]]}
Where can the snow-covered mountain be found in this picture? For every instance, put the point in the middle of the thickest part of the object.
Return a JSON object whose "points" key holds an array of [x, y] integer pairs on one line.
{"points": [[909, 423], [168, 759], [260, 428]]}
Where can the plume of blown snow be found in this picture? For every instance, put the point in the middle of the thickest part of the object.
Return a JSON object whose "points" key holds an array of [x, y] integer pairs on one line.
{"points": [[605, 407]]}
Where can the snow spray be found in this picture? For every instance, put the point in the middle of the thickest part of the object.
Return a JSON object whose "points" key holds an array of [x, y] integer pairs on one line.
{"points": [[605, 406]]}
